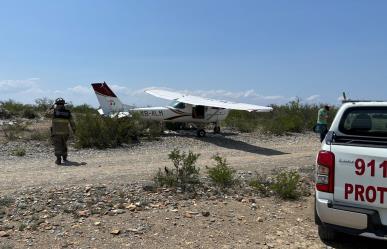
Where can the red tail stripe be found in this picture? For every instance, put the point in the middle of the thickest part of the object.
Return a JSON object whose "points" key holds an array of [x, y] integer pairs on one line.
{"points": [[104, 89]]}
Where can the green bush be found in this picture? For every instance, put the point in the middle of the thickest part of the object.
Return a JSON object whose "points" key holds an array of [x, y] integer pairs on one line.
{"points": [[292, 117], [166, 178], [43, 104], [222, 174], [287, 184], [13, 107], [14, 131], [18, 152], [29, 113], [151, 129], [244, 121], [185, 174], [262, 184], [106, 132], [40, 135], [82, 109]]}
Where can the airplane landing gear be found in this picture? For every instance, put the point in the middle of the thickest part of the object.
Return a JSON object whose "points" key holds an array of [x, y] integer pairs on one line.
{"points": [[201, 133], [217, 129]]}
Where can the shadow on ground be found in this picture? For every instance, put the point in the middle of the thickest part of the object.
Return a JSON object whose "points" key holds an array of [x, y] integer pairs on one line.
{"points": [[73, 163], [352, 242], [225, 140]]}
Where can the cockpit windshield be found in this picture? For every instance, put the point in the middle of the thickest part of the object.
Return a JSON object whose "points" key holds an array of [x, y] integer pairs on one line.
{"points": [[177, 104]]}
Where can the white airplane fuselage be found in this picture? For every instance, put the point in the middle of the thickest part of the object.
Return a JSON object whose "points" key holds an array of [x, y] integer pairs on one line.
{"points": [[187, 114], [176, 111]]}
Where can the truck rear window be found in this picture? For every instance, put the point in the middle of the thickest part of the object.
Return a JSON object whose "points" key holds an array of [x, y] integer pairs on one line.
{"points": [[364, 121]]}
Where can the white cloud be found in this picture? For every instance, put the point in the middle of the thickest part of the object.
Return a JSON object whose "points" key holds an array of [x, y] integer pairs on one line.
{"points": [[12, 86], [313, 98], [79, 89], [30, 89]]}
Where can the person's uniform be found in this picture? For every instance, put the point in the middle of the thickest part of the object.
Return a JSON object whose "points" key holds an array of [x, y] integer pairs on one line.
{"points": [[322, 123], [60, 131]]}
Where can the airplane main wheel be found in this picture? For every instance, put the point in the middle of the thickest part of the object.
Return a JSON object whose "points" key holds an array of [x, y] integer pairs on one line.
{"points": [[201, 133], [216, 129]]}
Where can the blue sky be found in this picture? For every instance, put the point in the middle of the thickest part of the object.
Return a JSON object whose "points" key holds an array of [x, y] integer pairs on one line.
{"points": [[259, 52]]}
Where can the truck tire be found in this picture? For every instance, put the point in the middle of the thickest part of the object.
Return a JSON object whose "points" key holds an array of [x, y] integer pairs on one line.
{"points": [[327, 234]]}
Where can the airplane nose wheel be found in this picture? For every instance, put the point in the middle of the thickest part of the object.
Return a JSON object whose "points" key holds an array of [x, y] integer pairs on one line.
{"points": [[216, 129], [201, 133]]}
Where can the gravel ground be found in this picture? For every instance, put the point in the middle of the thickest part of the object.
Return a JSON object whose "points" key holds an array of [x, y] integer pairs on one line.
{"points": [[249, 152], [108, 202]]}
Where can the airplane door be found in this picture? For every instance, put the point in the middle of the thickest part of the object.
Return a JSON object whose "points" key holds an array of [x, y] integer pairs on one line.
{"points": [[198, 112]]}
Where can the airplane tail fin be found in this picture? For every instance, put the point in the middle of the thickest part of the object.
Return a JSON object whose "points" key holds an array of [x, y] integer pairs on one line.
{"points": [[107, 99]]}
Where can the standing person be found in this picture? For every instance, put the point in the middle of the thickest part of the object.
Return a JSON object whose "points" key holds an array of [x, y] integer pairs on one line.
{"points": [[61, 120], [322, 122]]}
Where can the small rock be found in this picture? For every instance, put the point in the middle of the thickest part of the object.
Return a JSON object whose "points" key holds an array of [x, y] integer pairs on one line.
{"points": [[260, 219], [118, 211], [87, 189], [206, 213], [239, 198], [115, 232], [84, 213], [149, 186], [131, 207], [4, 234], [187, 215]]}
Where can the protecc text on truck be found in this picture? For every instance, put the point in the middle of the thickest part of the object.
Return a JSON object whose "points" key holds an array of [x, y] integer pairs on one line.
{"points": [[351, 173]]}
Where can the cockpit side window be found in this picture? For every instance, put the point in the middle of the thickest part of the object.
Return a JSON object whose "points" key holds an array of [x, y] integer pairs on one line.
{"points": [[178, 105]]}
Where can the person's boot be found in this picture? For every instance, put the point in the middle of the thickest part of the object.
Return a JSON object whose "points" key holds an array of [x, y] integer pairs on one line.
{"points": [[58, 161], [65, 159]]}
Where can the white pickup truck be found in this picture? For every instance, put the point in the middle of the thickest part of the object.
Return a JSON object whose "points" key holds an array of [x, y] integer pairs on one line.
{"points": [[351, 173]]}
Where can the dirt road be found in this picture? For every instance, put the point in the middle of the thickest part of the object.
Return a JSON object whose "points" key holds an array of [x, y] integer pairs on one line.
{"points": [[243, 152]]}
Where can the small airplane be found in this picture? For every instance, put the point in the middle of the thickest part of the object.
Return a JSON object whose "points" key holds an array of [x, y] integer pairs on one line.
{"points": [[184, 108]]}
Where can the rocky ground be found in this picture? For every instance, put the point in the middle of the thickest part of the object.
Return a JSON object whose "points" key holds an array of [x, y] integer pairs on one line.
{"points": [[110, 202]]}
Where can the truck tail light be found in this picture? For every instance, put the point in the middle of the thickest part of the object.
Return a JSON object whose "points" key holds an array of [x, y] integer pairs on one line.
{"points": [[325, 171]]}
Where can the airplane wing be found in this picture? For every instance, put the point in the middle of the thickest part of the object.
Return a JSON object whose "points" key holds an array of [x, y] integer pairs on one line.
{"points": [[196, 100], [164, 94]]}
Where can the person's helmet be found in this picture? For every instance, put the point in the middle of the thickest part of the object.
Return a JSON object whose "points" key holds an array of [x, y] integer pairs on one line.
{"points": [[60, 101], [327, 107]]}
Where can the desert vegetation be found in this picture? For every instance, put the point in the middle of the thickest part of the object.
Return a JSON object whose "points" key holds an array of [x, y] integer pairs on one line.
{"points": [[106, 132], [184, 173], [93, 130], [109, 132], [291, 117], [284, 184], [10, 108]]}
